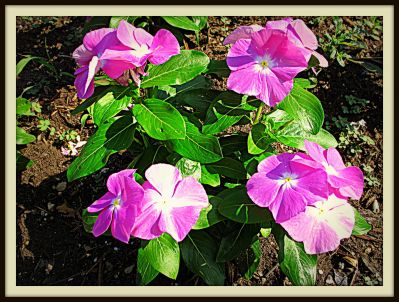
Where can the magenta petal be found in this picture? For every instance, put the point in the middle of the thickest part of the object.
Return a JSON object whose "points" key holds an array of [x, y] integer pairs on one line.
{"points": [[115, 181], [305, 34], [125, 34], [163, 178], [279, 24], [163, 47], [84, 81], [243, 32], [82, 56], [122, 223], [103, 222], [315, 151], [288, 205], [114, 69], [101, 203], [334, 159], [93, 38], [315, 183], [132, 194], [189, 193], [142, 37], [324, 241], [273, 91], [350, 182], [240, 55], [244, 81], [300, 227], [179, 221], [262, 190], [322, 60]]}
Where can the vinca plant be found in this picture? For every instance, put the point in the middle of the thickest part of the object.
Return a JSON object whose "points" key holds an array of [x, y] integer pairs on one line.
{"points": [[195, 195]]}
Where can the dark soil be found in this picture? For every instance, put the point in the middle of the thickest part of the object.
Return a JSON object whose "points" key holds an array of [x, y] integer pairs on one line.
{"points": [[52, 246]]}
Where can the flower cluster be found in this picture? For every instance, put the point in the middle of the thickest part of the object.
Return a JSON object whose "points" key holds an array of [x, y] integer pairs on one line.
{"points": [[119, 52], [264, 60], [165, 203], [307, 194]]}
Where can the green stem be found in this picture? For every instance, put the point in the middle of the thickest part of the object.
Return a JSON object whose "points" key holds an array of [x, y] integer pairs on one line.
{"points": [[258, 112]]}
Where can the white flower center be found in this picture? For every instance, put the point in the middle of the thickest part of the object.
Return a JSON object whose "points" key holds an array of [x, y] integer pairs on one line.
{"points": [[141, 51], [264, 64], [288, 180], [330, 169]]}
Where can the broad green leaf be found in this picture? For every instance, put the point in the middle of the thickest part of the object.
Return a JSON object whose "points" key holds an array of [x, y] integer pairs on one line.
{"points": [[258, 139], [210, 215], [248, 261], [219, 68], [238, 207], [226, 109], [304, 83], [171, 91], [199, 251], [23, 62], [23, 107], [188, 167], [199, 99], [361, 225], [200, 21], [160, 119], [119, 92], [109, 138], [197, 146], [114, 22], [304, 107], [23, 162], [265, 232], [228, 167], [298, 266], [108, 106], [177, 70], [164, 255], [183, 23], [149, 156], [23, 137], [238, 238], [294, 136], [277, 119], [208, 178], [145, 272], [233, 143]]}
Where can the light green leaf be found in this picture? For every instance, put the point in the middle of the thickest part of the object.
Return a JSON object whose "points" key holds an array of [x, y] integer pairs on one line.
{"points": [[114, 22], [188, 167], [23, 107], [184, 23], [160, 119], [23, 137], [208, 178], [210, 215], [177, 70], [145, 272], [361, 227], [258, 139], [108, 106]]}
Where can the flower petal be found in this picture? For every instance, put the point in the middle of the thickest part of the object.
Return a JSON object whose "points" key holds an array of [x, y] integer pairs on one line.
{"points": [[307, 37], [189, 193], [164, 46], [101, 203], [288, 204], [84, 81], [322, 60], [82, 56], [103, 222], [315, 151], [93, 38], [125, 34], [245, 81], [241, 55], [122, 223], [115, 180], [242, 32], [163, 177], [349, 181], [263, 190], [334, 159]]}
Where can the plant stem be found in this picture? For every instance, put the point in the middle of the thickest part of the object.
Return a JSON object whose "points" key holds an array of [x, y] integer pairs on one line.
{"points": [[258, 112]]}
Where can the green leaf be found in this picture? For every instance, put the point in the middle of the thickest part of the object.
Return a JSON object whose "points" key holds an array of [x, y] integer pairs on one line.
{"points": [[188, 167], [304, 83], [184, 23], [197, 146], [164, 255], [160, 119], [114, 22], [298, 266], [199, 99], [361, 227], [294, 136], [304, 107], [210, 215], [238, 207], [177, 70], [23, 137], [278, 118], [228, 167], [208, 178], [238, 238], [145, 272], [119, 92], [219, 68], [88, 220], [23, 107], [258, 139], [110, 105], [23, 162], [199, 251], [226, 109], [200, 21], [109, 138], [251, 164], [233, 143], [265, 232], [23, 62]]}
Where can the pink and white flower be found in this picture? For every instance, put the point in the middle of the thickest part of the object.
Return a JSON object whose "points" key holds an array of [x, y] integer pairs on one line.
{"points": [[171, 204]]}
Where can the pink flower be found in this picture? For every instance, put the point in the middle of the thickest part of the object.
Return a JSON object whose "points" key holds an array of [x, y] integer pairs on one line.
{"points": [[171, 204], [322, 225], [119, 206], [90, 57], [265, 65], [73, 147], [286, 185], [142, 46], [344, 181], [300, 34]]}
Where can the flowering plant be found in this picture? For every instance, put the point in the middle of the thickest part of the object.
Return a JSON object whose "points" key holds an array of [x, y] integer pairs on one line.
{"points": [[192, 190]]}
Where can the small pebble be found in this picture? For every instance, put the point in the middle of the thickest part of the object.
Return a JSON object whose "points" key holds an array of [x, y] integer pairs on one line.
{"points": [[116, 249], [129, 269], [95, 259], [50, 206], [329, 280], [367, 250], [61, 186], [321, 272]]}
